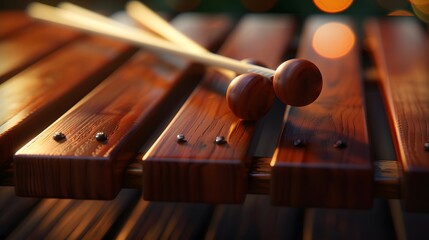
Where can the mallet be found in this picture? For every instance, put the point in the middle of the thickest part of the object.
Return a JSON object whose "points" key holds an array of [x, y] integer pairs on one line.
{"points": [[249, 96], [296, 82]]}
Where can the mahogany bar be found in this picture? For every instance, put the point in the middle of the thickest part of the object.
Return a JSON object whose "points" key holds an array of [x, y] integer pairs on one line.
{"points": [[124, 110], [405, 85], [12, 21], [321, 223], [211, 162], [26, 47], [56, 218], [37, 96], [323, 157]]}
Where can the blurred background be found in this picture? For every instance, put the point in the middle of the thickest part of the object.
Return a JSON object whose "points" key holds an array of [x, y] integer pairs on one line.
{"points": [[355, 8]]}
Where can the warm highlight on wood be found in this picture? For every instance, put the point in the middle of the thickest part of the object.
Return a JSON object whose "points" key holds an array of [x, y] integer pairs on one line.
{"points": [[203, 168], [12, 21], [400, 49], [37, 96], [26, 47], [75, 219], [127, 107], [323, 158]]}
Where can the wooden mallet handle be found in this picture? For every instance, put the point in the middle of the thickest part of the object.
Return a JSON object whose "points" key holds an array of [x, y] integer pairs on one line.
{"points": [[296, 82]]}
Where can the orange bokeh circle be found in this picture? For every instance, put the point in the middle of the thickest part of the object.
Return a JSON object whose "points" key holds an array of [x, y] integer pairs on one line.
{"points": [[332, 6]]}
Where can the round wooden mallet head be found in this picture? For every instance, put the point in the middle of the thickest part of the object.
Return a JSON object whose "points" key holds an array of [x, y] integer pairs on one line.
{"points": [[297, 82], [250, 96]]}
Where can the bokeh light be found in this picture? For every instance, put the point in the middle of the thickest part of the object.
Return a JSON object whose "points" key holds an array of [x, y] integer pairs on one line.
{"points": [[420, 3], [400, 12], [421, 9], [332, 6], [333, 40]]}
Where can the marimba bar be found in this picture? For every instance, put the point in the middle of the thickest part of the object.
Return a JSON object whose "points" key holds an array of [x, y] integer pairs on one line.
{"points": [[316, 171], [130, 104], [322, 155], [405, 89]]}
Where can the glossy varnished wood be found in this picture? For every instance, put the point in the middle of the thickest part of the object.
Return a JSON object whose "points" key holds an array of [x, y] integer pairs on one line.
{"points": [[158, 220], [31, 44], [75, 219], [127, 107], [401, 52], [250, 96], [33, 99], [12, 21], [307, 170], [13, 210], [256, 218], [371, 224], [199, 170], [297, 82]]}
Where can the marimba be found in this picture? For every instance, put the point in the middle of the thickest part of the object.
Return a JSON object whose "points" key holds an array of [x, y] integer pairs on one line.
{"points": [[80, 112]]}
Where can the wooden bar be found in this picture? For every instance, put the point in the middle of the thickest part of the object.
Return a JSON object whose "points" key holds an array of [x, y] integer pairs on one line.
{"points": [[256, 218], [127, 107], [12, 21], [157, 220], [199, 170], [33, 99], [401, 52], [26, 47], [13, 210], [75, 219], [371, 224], [414, 224], [323, 158]]}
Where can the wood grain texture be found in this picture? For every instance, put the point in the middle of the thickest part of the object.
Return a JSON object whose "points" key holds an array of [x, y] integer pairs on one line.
{"points": [[33, 99], [199, 170], [12, 21], [315, 173], [26, 47], [157, 220], [405, 86], [13, 210], [127, 107], [414, 223], [256, 218], [74, 219], [250, 96], [371, 224], [297, 82]]}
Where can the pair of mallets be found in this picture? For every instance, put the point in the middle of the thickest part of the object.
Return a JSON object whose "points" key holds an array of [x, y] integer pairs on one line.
{"points": [[296, 82]]}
